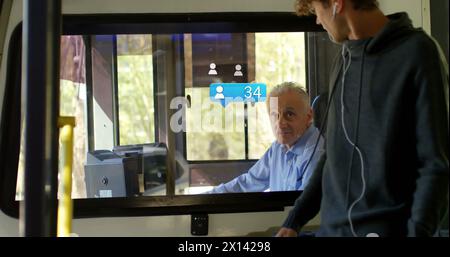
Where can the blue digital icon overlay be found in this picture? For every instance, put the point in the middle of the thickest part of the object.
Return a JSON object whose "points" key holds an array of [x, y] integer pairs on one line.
{"points": [[226, 93]]}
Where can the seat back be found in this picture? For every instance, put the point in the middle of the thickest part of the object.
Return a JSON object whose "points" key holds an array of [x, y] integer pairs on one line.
{"points": [[319, 107]]}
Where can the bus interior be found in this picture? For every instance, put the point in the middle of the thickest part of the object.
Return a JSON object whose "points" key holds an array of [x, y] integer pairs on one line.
{"points": [[148, 144]]}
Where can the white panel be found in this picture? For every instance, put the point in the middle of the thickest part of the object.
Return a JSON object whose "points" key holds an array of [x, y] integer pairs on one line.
{"points": [[418, 10], [178, 6], [426, 16], [103, 129], [233, 224], [8, 226]]}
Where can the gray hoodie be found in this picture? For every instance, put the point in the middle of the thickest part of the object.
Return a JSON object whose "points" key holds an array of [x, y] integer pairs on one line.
{"points": [[387, 172]]}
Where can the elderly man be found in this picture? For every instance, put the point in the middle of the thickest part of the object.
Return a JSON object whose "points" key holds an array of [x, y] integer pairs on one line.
{"points": [[385, 171], [288, 163]]}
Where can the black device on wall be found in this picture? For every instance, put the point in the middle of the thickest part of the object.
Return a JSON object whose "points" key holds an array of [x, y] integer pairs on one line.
{"points": [[199, 224], [151, 161]]}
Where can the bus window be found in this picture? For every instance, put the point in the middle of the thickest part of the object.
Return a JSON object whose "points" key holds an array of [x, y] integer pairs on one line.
{"points": [[122, 86], [72, 103], [123, 97], [286, 62], [237, 131], [214, 132], [135, 89]]}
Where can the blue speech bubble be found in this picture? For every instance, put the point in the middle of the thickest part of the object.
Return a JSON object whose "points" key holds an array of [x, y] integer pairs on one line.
{"points": [[225, 93]]}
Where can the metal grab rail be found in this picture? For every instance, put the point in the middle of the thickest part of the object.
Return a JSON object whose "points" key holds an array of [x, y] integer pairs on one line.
{"points": [[65, 204]]}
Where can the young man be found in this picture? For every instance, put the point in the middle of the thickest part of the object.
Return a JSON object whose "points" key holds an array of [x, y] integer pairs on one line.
{"points": [[284, 167], [385, 168]]}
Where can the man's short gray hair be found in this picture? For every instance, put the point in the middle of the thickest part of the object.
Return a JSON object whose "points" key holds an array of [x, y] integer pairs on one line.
{"points": [[290, 86]]}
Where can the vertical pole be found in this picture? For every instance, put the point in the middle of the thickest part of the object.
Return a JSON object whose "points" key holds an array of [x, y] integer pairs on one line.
{"points": [[65, 206], [41, 45]]}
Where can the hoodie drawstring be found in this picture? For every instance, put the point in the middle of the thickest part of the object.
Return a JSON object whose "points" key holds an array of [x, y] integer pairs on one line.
{"points": [[353, 144]]}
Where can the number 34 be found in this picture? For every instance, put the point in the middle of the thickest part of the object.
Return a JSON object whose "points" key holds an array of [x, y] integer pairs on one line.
{"points": [[248, 92]]}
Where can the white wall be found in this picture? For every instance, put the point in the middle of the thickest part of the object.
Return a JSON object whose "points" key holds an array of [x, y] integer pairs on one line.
{"points": [[418, 11], [8, 226], [178, 6], [235, 224], [103, 129]]}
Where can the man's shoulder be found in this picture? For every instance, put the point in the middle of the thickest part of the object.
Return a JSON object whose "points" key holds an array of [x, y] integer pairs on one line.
{"points": [[420, 37], [414, 50], [420, 43], [315, 133]]}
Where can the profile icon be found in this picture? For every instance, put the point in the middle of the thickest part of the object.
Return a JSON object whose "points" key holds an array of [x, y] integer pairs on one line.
{"points": [[238, 72], [219, 93], [212, 69]]}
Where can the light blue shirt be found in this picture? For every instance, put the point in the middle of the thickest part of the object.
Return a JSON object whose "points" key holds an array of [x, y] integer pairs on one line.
{"points": [[279, 169]]}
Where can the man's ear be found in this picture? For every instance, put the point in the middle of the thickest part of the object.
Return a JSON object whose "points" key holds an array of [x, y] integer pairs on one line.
{"points": [[309, 116]]}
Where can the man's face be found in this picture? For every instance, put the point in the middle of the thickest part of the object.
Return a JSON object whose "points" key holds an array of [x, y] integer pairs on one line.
{"points": [[329, 23], [289, 118]]}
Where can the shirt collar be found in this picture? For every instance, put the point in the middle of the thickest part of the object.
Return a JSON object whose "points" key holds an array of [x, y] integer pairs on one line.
{"points": [[300, 145]]}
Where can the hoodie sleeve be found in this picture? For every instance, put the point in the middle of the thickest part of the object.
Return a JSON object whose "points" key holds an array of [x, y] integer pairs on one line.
{"points": [[307, 204], [430, 198]]}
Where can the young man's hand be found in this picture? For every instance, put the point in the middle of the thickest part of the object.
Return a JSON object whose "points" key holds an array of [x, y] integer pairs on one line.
{"points": [[286, 232]]}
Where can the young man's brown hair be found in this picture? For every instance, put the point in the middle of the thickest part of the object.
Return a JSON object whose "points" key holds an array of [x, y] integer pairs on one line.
{"points": [[303, 7]]}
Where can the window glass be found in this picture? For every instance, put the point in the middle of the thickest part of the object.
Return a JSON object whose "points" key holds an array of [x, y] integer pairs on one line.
{"points": [[279, 57], [72, 103], [135, 89], [127, 69], [213, 132], [269, 58]]}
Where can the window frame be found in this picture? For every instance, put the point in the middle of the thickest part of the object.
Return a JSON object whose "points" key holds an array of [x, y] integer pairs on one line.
{"points": [[138, 24]]}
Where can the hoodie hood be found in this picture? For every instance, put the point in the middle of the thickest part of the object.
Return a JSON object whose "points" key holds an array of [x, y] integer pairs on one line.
{"points": [[398, 26]]}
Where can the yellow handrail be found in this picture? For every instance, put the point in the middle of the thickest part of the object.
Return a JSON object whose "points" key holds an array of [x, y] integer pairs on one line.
{"points": [[65, 205]]}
